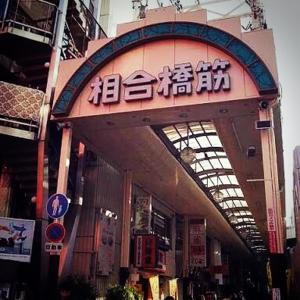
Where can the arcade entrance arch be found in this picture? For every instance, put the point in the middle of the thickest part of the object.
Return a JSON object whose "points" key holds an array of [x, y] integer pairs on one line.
{"points": [[138, 98]]}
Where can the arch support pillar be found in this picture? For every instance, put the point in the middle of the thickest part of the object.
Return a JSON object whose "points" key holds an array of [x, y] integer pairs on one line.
{"points": [[126, 219]]}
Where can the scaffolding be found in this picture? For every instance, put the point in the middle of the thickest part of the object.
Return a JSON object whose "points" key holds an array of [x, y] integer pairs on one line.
{"points": [[251, 12]]}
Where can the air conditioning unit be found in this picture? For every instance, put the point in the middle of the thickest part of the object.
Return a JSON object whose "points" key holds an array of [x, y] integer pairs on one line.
{"points": [[267, 124], [251, 151]]}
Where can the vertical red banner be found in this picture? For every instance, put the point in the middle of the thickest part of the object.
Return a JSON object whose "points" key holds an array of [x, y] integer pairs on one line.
{"points": [[271, 230]]}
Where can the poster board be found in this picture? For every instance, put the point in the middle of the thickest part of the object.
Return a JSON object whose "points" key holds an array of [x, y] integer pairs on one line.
{"points": [[154, 285], [173, 288], [106, 254], [143, 210], [16, 238]]}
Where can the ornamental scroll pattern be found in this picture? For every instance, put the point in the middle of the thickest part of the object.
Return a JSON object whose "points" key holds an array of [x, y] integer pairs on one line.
{"points": [[20, 102]]}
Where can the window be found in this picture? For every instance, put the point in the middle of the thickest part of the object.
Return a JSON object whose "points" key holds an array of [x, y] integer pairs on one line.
{"points": [[161, 225]]}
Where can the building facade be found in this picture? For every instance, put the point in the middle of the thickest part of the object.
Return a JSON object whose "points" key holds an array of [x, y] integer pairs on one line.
{"points": [[163, 139], [294, 248]]}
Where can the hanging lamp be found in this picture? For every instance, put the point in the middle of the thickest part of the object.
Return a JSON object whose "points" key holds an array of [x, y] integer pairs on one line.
{"points": [[188, 154], [233, 218], [218, 194]]}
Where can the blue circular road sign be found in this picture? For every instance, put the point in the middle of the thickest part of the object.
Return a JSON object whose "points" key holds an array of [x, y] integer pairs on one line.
{"points": [[57, 206], [55, 232]]}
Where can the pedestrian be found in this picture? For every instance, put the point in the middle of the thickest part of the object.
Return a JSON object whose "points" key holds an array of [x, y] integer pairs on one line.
{"points": [[3, 295], [250, 290]]}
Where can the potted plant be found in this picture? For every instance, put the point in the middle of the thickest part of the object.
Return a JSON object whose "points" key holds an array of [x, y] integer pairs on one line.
{"points": [[77, 287], [120, 292]]}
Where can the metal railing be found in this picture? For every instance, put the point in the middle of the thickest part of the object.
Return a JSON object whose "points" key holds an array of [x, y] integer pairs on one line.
{"points": [[32, 16], [40, 17], [90, 25], [81, 27]]}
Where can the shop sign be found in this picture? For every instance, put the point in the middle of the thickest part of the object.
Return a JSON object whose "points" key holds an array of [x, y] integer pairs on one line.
{"points": [[173, 288], [271, 230], [209, 77], [16, 237], [272, 241], [106, 253], [138, 251], [154, 285], [54, 248], [149, 247], [161, 260], [271, 219], [197, 242], [147, 254], [143, 210]]}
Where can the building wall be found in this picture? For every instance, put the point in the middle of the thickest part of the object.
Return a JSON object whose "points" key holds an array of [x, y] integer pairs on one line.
{"points": [[296, 251], [103, 190]]}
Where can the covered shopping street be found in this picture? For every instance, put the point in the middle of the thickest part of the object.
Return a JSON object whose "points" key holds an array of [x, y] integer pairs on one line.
{"points": [[185, 111]]}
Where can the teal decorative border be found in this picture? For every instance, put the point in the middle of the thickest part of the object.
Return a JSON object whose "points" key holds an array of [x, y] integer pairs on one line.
{"points": [[256, 68]]}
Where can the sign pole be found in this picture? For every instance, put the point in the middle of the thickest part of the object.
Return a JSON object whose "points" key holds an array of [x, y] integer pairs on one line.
{"points": [[62, 183], [72, 227]]}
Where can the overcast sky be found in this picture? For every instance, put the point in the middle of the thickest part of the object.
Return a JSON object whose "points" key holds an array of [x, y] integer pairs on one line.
{"points": [[283, 17]]}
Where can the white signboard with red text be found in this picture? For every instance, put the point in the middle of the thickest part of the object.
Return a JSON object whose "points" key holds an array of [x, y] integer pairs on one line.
{"points": [[197, 242]]}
